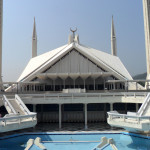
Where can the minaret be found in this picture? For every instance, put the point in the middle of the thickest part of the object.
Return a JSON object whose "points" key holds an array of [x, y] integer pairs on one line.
{"points": [[1, 33], [146, 12], [113, 39], [34, 41]]}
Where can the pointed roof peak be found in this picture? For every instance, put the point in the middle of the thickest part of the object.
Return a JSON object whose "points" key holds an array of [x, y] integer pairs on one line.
{"points": [[112, 21], [113, 34], [34, 29], [34, 21]]}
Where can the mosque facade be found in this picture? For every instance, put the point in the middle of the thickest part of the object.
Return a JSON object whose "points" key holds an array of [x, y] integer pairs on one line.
{"points": [[74, 67], [72, 83], [69, 74]]}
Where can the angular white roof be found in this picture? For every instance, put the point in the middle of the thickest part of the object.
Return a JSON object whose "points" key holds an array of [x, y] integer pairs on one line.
{"points": [[107, 61], [36, 62]]}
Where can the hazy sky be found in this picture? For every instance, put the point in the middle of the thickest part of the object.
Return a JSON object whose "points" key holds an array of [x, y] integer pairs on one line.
{"points": [[54, 19]]}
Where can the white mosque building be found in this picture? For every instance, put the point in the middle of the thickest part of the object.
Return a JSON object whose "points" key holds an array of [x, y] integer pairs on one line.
{"points": [[75, 67], [76, 83], [68, 74]]}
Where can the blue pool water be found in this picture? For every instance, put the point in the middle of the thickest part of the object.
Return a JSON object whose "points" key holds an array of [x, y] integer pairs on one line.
{"points": [[87, 141]]}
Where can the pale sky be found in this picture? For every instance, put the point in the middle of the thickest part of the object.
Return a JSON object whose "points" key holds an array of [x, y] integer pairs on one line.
{"points": [[53, 21]]}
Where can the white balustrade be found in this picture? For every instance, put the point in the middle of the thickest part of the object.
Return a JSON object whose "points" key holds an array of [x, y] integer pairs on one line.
{"points": [[17, 119]]}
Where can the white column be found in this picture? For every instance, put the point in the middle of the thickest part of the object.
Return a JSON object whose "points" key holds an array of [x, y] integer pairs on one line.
{"points": [[111, 107], [59, 116], [85, 115]]}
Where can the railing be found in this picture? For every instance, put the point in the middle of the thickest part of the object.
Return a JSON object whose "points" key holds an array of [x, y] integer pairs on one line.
{"points": [[7, 103], [111, 86], [81, 95], [144, 105], [112, 116], [21, 104], [17, 119]]}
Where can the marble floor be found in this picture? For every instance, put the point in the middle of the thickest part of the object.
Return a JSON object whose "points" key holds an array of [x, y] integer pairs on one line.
{"points": [[53, 127]]}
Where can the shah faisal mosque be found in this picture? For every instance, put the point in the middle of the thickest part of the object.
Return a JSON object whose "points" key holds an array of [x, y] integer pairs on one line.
{"points": [[76, 83], [74, 67]]}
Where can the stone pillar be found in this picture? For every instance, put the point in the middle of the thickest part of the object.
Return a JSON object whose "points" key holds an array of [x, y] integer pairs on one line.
{"points": [[85, 115], [111, 107], [60, 116]]}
